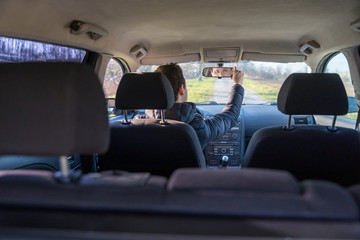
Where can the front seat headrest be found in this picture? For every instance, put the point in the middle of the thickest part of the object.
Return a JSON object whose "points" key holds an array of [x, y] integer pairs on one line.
{"points": [[144, 91], [313, 93], [51, 109]]}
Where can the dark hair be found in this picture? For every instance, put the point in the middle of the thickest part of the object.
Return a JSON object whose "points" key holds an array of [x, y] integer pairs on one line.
{"points": [[175, 75]]}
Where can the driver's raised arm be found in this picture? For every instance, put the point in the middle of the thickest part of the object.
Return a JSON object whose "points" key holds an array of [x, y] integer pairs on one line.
{"points": [[220, 123]]}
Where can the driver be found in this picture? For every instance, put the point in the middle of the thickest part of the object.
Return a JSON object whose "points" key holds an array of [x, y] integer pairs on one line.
{"points": [[207, 129]]}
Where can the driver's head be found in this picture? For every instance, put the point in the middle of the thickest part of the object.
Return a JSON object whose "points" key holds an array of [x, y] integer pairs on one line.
{"points": [[175, 75], [221, 72]]}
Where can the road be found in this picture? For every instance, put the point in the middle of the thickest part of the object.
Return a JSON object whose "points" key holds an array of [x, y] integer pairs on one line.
{"points": [[340, 122], [222, 89]]}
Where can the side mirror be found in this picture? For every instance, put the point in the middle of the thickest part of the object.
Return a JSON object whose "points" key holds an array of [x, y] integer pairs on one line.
{"points": [[219, 72], [353, 108]]}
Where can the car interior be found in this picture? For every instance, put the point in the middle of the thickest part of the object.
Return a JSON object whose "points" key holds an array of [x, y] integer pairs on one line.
{"points": [[82, 158]]}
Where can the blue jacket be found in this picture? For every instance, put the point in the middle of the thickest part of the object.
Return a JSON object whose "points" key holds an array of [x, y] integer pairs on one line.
{"points": [[210, 128]]}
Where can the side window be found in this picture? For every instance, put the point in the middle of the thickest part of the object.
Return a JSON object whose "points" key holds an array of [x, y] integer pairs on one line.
{"points": [[113, 74], [339, 64], [19, 50]]}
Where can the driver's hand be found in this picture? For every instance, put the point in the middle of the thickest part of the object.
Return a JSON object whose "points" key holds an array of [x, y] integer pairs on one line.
{"points": [[238, 77]]}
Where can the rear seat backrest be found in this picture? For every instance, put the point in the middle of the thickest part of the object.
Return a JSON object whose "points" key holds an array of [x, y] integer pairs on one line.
{"points": [[257, 193]]}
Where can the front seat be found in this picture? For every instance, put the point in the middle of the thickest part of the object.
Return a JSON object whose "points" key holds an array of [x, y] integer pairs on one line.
{"points": [[320, 152], [51, 110], [157, 146]]}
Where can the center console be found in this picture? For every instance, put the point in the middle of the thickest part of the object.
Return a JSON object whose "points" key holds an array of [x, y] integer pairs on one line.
{"points": [[225, 151]]}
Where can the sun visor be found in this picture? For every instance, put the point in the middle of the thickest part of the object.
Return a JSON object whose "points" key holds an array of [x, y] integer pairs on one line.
{"points": [[216, 55], [191, 57], [267, 57]]}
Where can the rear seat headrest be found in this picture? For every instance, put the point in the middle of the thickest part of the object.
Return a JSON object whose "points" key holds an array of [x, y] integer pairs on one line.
{"points": [[144, 91], [313, 93], [251, 180], [51, 109]]}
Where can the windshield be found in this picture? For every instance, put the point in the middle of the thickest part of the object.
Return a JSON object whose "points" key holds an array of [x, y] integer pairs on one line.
{"points": [[262, 81]]}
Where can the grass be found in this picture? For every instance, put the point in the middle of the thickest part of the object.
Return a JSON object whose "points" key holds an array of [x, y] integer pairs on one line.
{"points": [[351, 116], [200, 90], [268, 92]]}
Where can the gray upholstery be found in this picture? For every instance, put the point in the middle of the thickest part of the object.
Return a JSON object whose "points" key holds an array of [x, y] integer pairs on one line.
{"points": [[251, 180], [122, 179], [250, 198], [147, 146], [355, 192], [313, 93], [307, 152], [144, 91], [315, 152], [257, 193], [39, 188], [51, 109]]}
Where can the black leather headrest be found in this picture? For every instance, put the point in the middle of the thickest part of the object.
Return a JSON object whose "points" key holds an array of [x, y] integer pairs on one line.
{"points": [[51, 109], [313, 93], [144, 91]]}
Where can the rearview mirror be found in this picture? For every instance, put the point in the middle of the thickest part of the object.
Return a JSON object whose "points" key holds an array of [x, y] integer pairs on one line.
{"points": [[218, 72]]}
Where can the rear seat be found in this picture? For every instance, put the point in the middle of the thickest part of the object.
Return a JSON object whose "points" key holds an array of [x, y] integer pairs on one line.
{"points": [[257, 193], [355, 192], [248, 193]]}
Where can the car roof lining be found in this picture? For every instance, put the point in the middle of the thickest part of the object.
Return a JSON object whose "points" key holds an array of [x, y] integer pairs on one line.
{"points": [[168, 29]]}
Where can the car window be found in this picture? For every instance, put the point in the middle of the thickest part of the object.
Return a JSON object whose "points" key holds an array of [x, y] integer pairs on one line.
{"points": [[337, 63], [113, 74], [262, 81], [19, 50]]}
